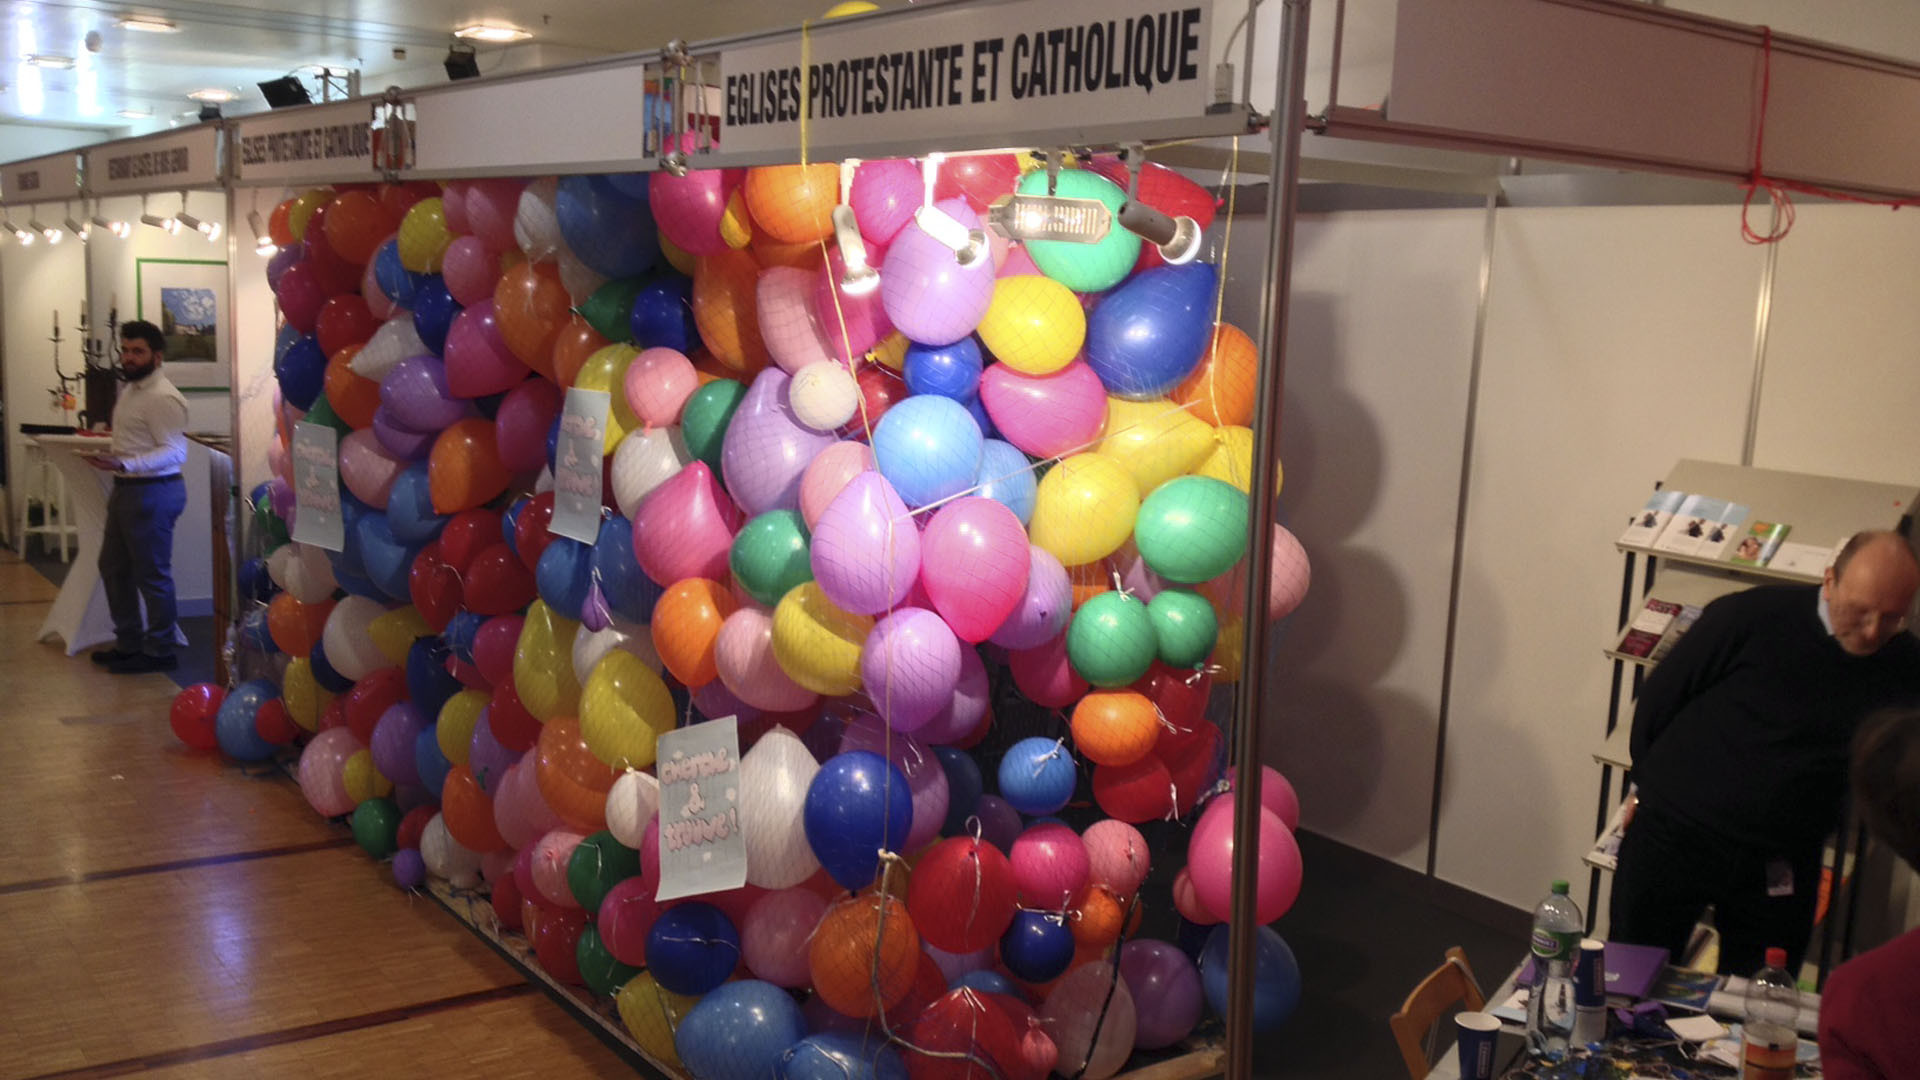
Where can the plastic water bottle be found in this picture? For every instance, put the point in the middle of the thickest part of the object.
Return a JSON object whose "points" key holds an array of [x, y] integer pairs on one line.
{"points": [[1557, 929], [1769, 1041]]}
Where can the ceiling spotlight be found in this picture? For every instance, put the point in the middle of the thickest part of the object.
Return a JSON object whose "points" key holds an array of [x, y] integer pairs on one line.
{"points": [[167, 224], [968, 245], [860, 278], [263, 244], [214, 95], [184, 220], [285, 92], [146, 24], [52, 235], [1178, 238], [52, 61], [118, 228], [461, 63], [19, 233], [80, 229], [492, 35]]}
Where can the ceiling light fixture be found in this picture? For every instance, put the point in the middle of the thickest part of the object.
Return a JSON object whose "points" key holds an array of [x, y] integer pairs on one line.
{"points": [[80, 229], [214, 95], [52, 235], [51, 61], [6, 222], [492, 35], [263, 244], [146, 24], [860, 278], [118, 228], [208, 229], [171, 226]]}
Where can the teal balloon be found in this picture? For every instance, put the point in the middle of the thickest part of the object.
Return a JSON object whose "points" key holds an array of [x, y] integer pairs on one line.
{"points": [[1185, 627], [376, 827], [772, 555], [703, 423], [598, 864], [1111, 640], [602, 973], [610, 309], [1084, 267], [1192, 529]]}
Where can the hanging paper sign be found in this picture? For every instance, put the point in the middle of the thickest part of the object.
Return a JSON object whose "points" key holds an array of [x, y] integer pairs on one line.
{"points": [[307, 144], [970, 69], [316, 487], [168, 162], [701, 849], [56, 176], [577, 460]]}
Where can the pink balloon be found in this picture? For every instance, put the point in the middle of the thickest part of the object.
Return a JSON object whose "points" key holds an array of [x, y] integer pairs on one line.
{"points": [[491, 205], [1018, 264], [519, 811], [478, 361], [493, 647], [659, 382], [280, 461], [928, 295], [521, 425], [926, 777], [775, 935], [1210, 861], [379, 303], [854, 323], [1045, 415], [367, 469], [1292, 576], [322, 771], [767, 448], [974, 560], [1045, 606], [829, 472], [1117, 856], [1049, 865], [866, 549], [470, 270], [744, 654], [688, 208], [551, 853], [885, 194], [961, 716], [910, 665], [784, 299], [1277, 796], [453, 206], [1135, 576], [684, 527], [1187, 902], [626, 915]]}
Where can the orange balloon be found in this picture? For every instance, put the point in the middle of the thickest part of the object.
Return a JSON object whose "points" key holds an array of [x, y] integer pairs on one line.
{"points": [[464, 468], [357, 224], [803, 256], [468, 810], [353, 397], [726, 311], [1115, 727], [793, 203], [294, 626], [572, 781], [530, 305], [852, 935], [576, 341], [1097, 917], [280, 223], [686, 623], [1089, 580], [1221, 390]]}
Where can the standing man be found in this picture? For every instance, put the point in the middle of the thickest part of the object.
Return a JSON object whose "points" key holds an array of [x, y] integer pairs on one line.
{"points": [[1739, 746], [136, 555]]}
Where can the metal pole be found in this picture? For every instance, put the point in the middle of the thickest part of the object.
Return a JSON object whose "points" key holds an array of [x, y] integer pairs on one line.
{"points": [[1284, 127]]}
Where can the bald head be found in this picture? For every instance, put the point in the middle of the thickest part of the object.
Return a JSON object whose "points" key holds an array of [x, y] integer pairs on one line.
{"points": [[1870, 590]]}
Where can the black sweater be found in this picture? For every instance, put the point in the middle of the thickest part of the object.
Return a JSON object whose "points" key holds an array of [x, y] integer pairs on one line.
{"points": [[1743, 729]]}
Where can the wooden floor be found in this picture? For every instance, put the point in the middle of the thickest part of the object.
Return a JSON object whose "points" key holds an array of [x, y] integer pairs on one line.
{"points": [[166, 913]]}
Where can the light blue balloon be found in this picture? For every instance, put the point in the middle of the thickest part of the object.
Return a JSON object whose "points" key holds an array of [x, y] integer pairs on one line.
{"points": [[738, 1030], [928, 447], [410, 507], [1006, 477], [388, 560], [234, 727], [838, 1055], [1037, 775]]}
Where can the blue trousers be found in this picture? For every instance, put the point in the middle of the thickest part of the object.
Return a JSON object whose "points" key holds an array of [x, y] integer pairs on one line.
{"points": [[136, 562]]}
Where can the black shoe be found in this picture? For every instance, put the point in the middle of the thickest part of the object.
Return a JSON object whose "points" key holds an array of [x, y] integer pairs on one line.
{"points": [[141, 663], [104, 657]]}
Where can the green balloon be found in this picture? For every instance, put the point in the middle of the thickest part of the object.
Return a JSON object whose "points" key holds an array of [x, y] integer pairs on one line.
{"points": [[376, 826], [1185, 626], [1192, 529], [598, 864], [1084, 267], [610, 309], [703, 423], [598, 969], [770, 556], [271, 529], [322, 413], [1111, 640]]}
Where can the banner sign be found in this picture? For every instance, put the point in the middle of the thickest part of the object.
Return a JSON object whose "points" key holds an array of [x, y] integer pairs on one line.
{"points": [[316, 487], [701, 847], [577, 475], [968, 70], [43, 179], [173, 161], [324, 141]]}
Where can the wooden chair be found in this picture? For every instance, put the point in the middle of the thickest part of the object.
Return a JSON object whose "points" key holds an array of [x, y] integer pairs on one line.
{"points": [[1450, 986]]}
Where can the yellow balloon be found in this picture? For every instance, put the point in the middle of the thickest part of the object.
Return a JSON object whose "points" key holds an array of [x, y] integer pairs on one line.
{"points": [[1035, 325], [676, 258], [304, 696], [736, 224], [1084, 509], [395, 632], [303, 207], [652, 1014], [1231, 460], [850, 7], [424, 236], [543, 664], [361, 780], [817, 644], [1229, 650], [458, 717], [623, 709], [892, 351], [1154, 441], [606, 370]]}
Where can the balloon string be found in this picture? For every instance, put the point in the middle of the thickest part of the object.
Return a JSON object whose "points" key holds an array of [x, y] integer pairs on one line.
{"points": [[806, 84]]}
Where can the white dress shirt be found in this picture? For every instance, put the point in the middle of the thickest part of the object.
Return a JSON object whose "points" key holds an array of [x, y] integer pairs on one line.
{"points": [[150, 427]]}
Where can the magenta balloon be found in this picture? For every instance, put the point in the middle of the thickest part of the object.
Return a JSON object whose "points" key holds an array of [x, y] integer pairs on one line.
{"points": [[684, 527], [1049, 866], [301, 294], [1135, 576], [478, 361], [485, 756], [282, 261], [688, 208], [280, 498], [783, 299], [857, 322], [744, 655], [974, 560], [828, 474], [1276, 796], [1166, 992], [469, 269], [521, 425], [776, 932], [714, 701], [866, 549], [399, 440], [415, 395], [392, 743], [491, 205], [1045, 607], [925, 776], [1045, 415], [1276, 864], [367, 469], [519, 812], [885, 194], [625, 917], [767, 448], [959, 717], [910, 665], [928, 294]]}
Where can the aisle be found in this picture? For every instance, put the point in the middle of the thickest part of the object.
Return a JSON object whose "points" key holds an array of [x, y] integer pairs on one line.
{"points": [[170, 914]]}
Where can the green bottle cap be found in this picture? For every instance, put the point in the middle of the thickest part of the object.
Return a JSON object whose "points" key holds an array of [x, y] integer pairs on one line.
{"points": [[1560, 887]]}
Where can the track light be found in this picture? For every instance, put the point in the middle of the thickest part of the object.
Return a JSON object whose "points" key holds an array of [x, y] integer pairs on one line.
{"points": [[167, 224], [1178, 238], [80, 229], [52, 235], [26, 238], [208, 229], [859, 278], [118, 228], [968, 245], [263, 244], [146, 24]]}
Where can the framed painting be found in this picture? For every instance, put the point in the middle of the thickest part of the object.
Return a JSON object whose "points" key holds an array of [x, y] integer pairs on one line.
{"points": [[187, 300]]}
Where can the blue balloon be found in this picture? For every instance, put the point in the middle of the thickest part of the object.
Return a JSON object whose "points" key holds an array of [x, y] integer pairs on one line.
{"points": [[928, 447], [1276, 977], [255, 633], [410, 507], [951, 371], [978, 410], [1006, 477], [1192, 938], [612, 233], [283, 341], [837, 1055], [324, 672], [553, 443], [302, 373], [986, 982], [357, 584], [386, 559], [564, 575], [399, 283], [1151, 332], [429, 683], [965, 785], [433, 311], [663, 315], [692, 948], [1037, 947], [429, 761], [631, 184], [255, 582], [233, 725], [1037, 776], [857, 804], [511, 518], [630, 593], [460, 633], [738, 1031]]}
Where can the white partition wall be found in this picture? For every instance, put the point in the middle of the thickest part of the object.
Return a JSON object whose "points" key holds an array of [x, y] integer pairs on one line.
{"points": [[39, 280], [253, 330]]}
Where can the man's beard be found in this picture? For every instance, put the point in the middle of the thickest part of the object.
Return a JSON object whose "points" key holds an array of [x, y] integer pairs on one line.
{"points": [[128, 374]]}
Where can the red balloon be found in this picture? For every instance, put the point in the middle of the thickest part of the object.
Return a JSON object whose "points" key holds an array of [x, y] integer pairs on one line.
{"points": [[498, 583], [344, 321], [555, 940], [399, 198], [1139, 792], [962, 895], [1193, 765], [414, 825], [506, 900], [301, 293], [625, 917], [880, 387], [513, 726], [493, 646], [337, 275], [371, 697], [1043, 674], [434, 587], [525, 415], [1181, 697], [965, 1024], [977, 178], [193, 713], [530, 535], [466, 534], [929, 984], [274, 724], [335, 714]]}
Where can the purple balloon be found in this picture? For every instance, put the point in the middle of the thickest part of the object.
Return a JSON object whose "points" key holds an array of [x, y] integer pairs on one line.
{"points": [[399, 440], [392, 744], [714, 700], [283, 260], [866, 550], [1044, 610], [958, 718], [910, 665], [767, 448], [416, 397], [999, 822], [280, 497], [926, 779], [928, 295], [485, 756], [1166, 992], [409, 869]]}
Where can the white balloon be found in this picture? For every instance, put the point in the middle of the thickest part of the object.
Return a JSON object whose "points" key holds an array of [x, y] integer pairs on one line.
{"points": [[631, 804], [579, 279], [446, 859], [1072, 1013], [302, 570], [824, 395], [395, 341], [643, 461], [349, 644], [536, 224], [592, 646], [774, 776]]}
